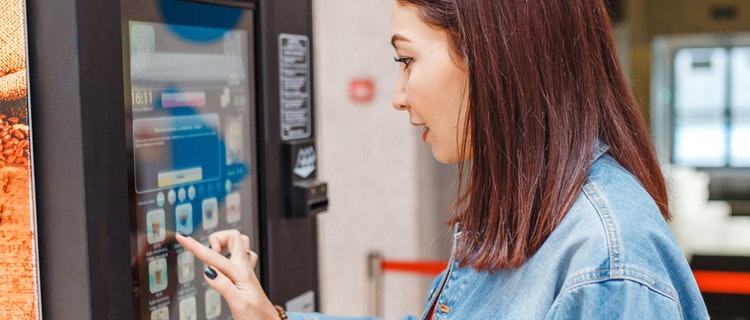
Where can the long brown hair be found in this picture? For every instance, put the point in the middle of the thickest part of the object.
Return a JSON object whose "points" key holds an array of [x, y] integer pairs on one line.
{"points": [[545, 84]]}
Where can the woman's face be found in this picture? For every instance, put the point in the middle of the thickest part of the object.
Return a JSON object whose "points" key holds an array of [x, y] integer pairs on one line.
{"points": [[430, 86]]}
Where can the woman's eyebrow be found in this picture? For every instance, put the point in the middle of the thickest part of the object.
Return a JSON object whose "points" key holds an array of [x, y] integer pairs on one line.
{"points": [[397, 37]]}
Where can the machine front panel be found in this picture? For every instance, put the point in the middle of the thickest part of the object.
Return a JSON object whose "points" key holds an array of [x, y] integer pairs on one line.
{"points": [[191, 126]]}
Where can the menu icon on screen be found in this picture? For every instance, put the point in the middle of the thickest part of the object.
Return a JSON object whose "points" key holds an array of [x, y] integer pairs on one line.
{"points": [[184, 218], [210, 213], [155, 227], [157, 275]]}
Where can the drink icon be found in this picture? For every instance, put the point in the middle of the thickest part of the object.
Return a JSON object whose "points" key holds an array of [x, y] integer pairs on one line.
{"points": [[213, 304], [160, 314], [157, 275], [187, 309], [184, 218], [185, 267], [233, 207], [210, 216], [155, 226]]}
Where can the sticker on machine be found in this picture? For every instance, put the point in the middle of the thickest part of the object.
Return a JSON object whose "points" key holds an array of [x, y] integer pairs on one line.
{"points": [[294, 87], [306, 162]]}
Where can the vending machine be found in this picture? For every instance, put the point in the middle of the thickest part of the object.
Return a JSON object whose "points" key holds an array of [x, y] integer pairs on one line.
{"points": [[161, 117]]}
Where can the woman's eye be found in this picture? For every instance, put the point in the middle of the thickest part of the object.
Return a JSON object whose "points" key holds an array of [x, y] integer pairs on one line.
{"points": [[406, 61]]}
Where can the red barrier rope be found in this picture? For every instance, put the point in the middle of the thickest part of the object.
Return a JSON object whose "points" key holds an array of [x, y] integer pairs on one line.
{"points": [[422, 267], [708, 281], [723, 281]]}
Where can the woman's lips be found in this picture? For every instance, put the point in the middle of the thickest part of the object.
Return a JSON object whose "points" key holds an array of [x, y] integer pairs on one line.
{"points": [[425, 130]]}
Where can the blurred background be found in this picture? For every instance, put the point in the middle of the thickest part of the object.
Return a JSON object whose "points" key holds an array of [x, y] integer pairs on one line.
{"points": [[689, 66]]}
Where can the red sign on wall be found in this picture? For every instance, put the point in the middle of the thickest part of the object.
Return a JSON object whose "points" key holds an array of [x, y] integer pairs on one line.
{"points": [[362, 90]]}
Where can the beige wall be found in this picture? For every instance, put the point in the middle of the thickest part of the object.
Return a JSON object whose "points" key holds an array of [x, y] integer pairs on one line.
{"points": [[385, 189]]}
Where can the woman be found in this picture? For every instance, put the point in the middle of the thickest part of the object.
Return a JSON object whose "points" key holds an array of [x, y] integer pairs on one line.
{"points": [[563, 213]]}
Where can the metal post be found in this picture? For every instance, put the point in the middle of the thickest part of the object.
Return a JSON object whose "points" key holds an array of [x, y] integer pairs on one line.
{"points": [[375, 283]]}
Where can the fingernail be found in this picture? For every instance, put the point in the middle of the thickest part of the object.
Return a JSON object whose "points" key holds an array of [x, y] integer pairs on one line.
{"points": [[182, 234], [210, 273]]}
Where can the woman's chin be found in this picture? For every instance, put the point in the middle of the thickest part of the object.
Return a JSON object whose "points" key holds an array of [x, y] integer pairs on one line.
{"points": [[442, 157], [447, 157]]}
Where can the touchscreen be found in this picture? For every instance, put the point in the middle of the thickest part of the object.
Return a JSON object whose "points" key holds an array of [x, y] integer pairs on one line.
{"points": [[191, 130]]}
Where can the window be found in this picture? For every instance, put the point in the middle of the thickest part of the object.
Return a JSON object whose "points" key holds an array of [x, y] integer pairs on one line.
{"points": [[711, 112]]}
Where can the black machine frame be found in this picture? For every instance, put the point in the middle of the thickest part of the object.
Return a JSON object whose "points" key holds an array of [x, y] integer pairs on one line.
{"points": [[81, 160]]}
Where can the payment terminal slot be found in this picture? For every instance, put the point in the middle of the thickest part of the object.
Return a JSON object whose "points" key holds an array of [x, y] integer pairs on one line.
{"points": [[306, 195]]}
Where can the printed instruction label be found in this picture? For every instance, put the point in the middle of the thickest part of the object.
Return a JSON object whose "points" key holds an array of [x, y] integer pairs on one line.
{"points": [[294, 86]]}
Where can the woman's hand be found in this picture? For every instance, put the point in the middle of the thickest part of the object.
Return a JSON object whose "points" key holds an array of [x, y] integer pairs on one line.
{"points": [[233, 276]]}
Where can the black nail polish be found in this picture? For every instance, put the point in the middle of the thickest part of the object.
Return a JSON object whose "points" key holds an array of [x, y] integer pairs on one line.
{"points": [[210, 273]]}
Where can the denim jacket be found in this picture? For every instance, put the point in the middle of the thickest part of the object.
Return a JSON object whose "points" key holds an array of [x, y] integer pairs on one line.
{"points": [[612, 257]]}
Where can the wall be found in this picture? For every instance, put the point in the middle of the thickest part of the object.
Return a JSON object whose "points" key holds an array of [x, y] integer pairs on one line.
{"points": [[385, 189]]}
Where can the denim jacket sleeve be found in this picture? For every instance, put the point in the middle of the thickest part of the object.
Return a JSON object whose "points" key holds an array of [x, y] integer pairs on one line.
{"points": [[615, 299]]}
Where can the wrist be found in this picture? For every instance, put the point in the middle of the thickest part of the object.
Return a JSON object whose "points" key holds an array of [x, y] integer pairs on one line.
{"points": [[281, 311]]}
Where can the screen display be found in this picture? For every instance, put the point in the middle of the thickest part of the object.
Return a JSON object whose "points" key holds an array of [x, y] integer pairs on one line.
{"points": [[191, 136]]}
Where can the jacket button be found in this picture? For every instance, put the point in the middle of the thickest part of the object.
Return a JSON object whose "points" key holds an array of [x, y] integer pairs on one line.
{"points": [[444, 308]]}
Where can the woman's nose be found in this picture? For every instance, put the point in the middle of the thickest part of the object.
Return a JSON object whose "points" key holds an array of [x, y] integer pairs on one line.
{"points": [[398, 106], [400, 101]]}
